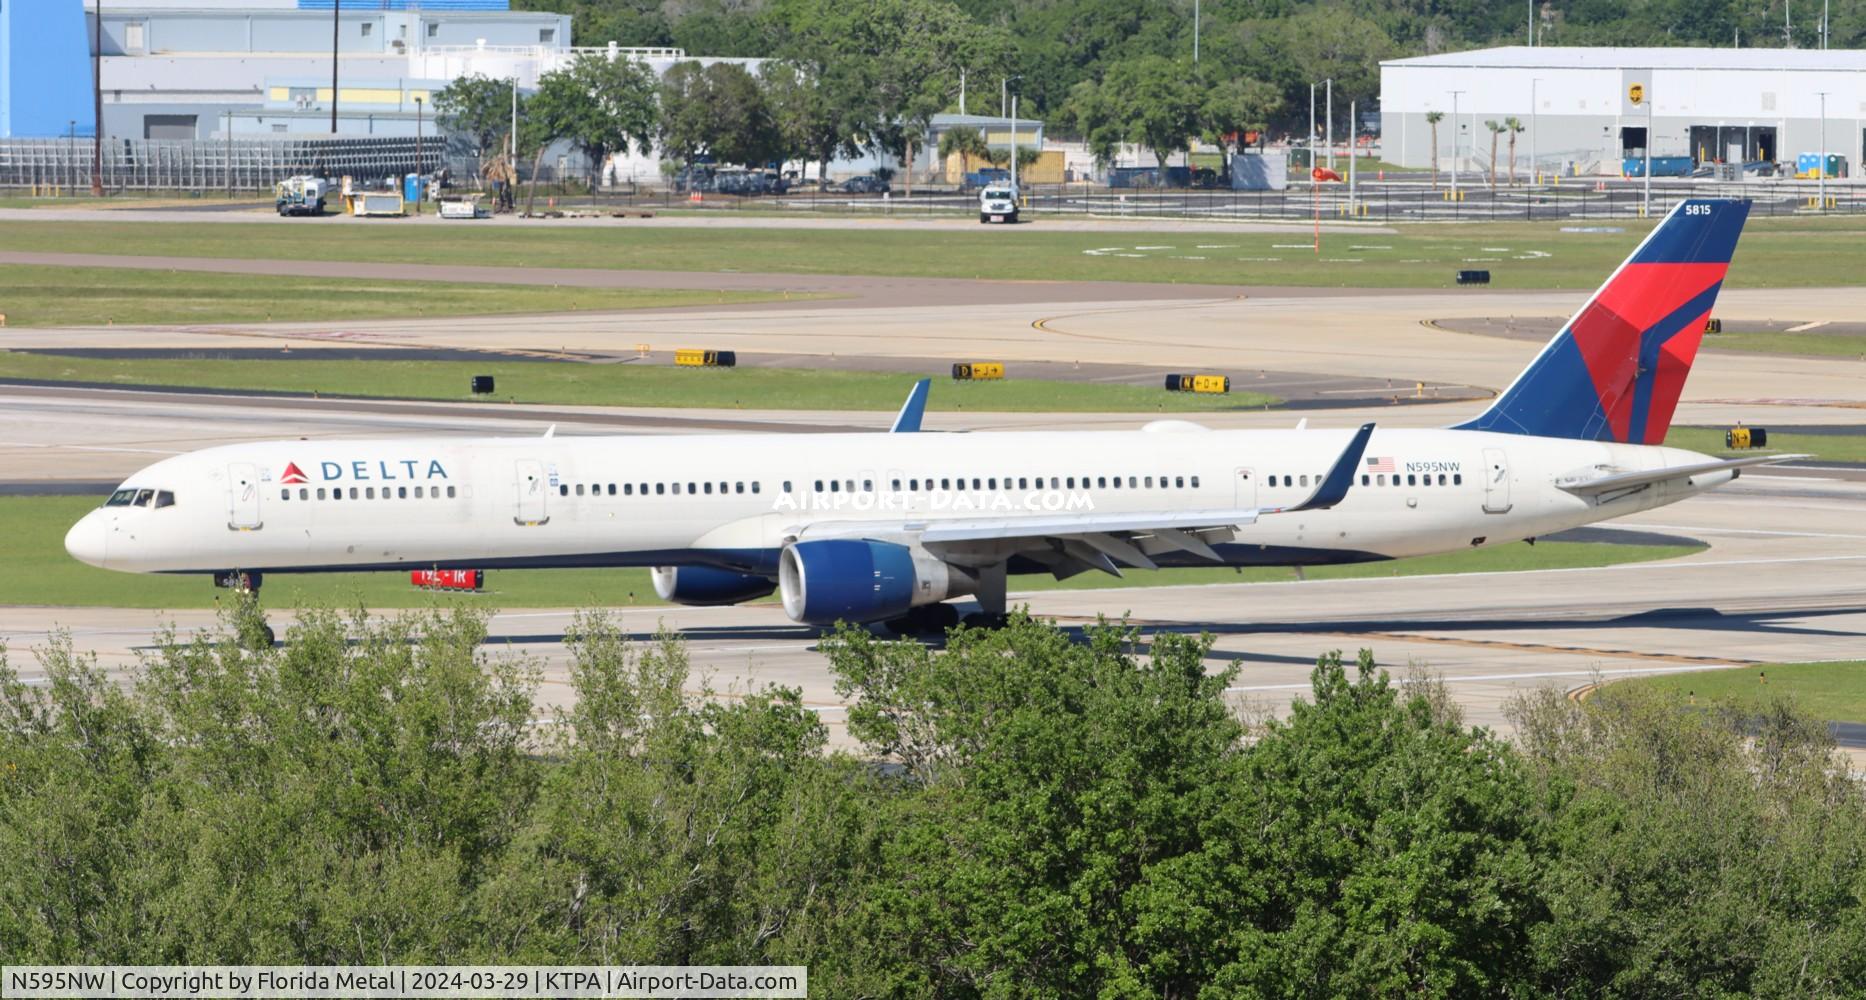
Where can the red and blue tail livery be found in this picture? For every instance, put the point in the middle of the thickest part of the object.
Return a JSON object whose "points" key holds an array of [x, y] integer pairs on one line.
{"points": [[1616, 370]]}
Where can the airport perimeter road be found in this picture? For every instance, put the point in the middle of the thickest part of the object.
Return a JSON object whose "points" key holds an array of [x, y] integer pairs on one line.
{"points": [[1784, 579]]}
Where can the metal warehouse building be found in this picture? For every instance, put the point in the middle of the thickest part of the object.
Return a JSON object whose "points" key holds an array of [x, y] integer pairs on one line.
{"points": [[1580, 117]]}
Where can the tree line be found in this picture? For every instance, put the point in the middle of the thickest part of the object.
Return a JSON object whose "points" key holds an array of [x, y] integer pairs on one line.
{"points": [[1060, 814], [847, 80], [1050, 47]]}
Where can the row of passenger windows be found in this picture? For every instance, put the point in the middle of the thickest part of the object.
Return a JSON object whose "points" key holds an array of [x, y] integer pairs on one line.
{"points": [[897, 485], [658, 489], [1457, 479], [369, 493]]}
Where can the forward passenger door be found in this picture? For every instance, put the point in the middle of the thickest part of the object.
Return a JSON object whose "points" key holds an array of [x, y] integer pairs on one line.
{"points": [[532, 493]]}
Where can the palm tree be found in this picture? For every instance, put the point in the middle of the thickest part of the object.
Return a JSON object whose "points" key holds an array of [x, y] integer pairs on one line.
{"points": [[1432, 118], [1515, 127], [967, 143], [1495, 128]]}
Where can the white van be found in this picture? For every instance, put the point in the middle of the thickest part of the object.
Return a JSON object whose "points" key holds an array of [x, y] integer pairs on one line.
{"points": [[997, 203]]}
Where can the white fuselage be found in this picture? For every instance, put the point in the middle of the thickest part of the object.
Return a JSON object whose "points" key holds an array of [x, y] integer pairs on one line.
{"points": [[734, 501]]}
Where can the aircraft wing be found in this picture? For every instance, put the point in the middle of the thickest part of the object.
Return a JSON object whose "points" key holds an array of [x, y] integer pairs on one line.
{"points": [[1071, 542], [1613, 482]]}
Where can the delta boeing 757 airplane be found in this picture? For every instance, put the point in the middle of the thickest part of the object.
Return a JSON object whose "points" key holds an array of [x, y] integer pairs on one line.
{"points": [[889, 527]]}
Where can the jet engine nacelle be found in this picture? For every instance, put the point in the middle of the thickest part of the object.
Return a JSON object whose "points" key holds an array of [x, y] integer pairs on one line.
{"points": [[706, 586], [859, 580]]}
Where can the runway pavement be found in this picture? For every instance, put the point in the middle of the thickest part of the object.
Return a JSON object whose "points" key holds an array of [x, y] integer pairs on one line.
{"points": [[1784, 579]]}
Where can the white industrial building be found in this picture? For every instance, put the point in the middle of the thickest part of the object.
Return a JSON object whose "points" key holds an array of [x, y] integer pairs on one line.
{"points": [[1580, 116]]}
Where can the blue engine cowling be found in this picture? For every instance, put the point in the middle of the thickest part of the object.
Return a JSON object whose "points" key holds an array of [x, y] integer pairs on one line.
{"points": [[706, 586], [852, 580]]}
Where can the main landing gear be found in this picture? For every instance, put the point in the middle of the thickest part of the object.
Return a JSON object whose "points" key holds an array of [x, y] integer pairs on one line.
{"points": [[935, 619], [927, 619], [250, 619]]}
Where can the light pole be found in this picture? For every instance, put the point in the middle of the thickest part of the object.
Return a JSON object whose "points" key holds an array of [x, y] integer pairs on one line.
{"points": [[1329, 125], [1311, 136], [1823, 177], [1532, 23], [1645, 202], [1455, 126], [97, 101], [1534, 176], [336, 10], [420, 181], [1014, 146], [1195, 30]]}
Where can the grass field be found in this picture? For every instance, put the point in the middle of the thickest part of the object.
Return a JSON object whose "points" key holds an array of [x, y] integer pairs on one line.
{"points": [[1790, 254], [33, 295], [1821, 345], [1825, 447], [572, 382], [32, 532], [1832, 691]]}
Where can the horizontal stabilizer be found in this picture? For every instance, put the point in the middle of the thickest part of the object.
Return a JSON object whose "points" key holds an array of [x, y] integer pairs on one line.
{"points": [[1586, 487]]}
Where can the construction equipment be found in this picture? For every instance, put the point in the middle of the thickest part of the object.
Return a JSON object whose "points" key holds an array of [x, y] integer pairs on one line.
{"points": [[302, 195], [500, 176]]}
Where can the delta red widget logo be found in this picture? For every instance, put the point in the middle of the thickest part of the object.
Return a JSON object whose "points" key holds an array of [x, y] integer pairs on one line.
{"points": [[293, 474]]}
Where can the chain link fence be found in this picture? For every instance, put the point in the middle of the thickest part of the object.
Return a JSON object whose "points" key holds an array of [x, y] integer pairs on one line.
{"points": [[197, 166], [1375, 201]]}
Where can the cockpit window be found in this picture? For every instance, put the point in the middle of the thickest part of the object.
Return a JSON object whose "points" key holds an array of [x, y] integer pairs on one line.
{"points": [[141, 498]]}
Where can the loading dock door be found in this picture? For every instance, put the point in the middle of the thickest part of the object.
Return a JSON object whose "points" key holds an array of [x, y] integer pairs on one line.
{"points": [[169, 126]]}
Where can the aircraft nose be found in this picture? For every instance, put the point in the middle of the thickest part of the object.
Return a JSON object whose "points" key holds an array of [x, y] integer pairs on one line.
{"points": [[87, 539]]}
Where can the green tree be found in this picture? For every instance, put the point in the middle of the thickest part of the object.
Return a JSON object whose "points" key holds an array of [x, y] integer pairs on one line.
{"points": [[1152, 101], [809, 125], [1515, 128], [1708, 851], [720, 109], [683, 123], [682, 828], [964, 142], [477, 107], [1432, 118], [1496, 129], [743, 127], [600, 105], [1234, 105]]}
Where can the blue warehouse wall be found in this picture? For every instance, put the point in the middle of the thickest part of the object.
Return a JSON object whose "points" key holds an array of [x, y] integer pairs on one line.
{"points": [[45, 69]]}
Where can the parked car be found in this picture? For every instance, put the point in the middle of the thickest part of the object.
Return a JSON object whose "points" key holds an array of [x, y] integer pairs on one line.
{"points": [[865, 184]]}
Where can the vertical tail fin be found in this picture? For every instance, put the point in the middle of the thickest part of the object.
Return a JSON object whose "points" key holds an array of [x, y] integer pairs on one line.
{"points": [[1615, 371]]}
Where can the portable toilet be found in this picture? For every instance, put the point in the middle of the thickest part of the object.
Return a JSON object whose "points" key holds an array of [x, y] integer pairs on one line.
{"points": [[1808, 166], [411, 188]]}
